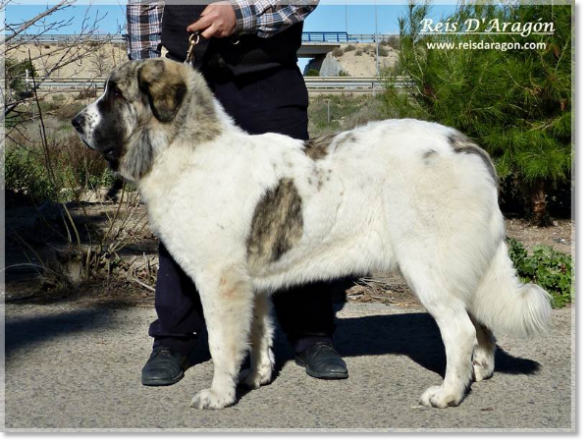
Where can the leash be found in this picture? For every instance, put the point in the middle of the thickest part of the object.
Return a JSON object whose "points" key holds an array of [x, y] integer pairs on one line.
{"points": [[193, 41]]}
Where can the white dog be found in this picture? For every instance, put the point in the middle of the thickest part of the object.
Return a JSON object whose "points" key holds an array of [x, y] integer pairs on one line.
{"points": [[246, 215]]}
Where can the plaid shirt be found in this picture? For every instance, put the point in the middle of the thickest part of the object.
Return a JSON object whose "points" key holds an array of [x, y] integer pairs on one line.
{"points": [[263, 18]]}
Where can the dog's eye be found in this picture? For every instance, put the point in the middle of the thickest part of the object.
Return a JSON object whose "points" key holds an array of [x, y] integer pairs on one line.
{"points": [[117, 92]]}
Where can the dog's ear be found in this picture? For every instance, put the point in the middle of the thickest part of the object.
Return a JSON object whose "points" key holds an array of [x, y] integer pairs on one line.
{"points": [[164, 86]]}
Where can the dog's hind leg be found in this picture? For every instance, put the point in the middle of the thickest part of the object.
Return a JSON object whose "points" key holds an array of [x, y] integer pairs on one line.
{"points": [[458, 333], [484, 350], [227, 301], [262, 360]]}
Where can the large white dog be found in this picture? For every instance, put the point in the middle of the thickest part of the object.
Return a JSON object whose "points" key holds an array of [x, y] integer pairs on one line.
{"points": [[246, 215]]}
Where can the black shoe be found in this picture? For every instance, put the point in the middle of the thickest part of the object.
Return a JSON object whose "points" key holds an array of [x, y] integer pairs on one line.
{"points": [[321, 360], [164, 367]]}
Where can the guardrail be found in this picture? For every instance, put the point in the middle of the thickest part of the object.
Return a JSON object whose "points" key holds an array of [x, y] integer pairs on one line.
{"points": [[314, 84], [69, 38], [306, 37], [336, 85]]}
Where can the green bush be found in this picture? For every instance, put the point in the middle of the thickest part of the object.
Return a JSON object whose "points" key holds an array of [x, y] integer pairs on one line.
{"points": [[551, 270], [312, 73], [74, 166], [48, 106], [15, 72], [67, 112], [59, 99], [382, 51], [24, 171]]}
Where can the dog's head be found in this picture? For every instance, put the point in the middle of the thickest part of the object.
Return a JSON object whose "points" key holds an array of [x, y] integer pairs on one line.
{"points": [[137, 113]]}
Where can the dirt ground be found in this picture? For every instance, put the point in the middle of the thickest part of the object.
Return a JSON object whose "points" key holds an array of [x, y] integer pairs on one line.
{"points": [[32, 242]]}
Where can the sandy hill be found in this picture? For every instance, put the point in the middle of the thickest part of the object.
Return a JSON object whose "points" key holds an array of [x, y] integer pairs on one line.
{"points": [[354, 60], [90, 60]]}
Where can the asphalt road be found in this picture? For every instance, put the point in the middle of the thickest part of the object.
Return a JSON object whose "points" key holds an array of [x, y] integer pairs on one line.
{"points": [[77, 366]]}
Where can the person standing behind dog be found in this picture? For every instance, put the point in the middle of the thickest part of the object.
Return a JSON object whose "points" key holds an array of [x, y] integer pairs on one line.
{"points": [[248, 56]]}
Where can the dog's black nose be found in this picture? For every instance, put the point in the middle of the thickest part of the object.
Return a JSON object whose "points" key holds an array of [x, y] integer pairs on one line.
{"points": [[78, 122]]}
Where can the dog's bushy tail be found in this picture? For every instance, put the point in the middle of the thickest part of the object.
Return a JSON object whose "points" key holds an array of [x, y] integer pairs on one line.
{"points": [[506, 305]]}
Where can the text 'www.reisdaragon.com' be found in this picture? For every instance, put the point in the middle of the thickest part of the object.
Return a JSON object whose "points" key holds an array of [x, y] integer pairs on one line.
{"points": [[483, 45]]}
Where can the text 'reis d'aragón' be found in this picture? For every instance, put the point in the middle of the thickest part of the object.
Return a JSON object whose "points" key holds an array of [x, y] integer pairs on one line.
{"points": [[492, 26]]}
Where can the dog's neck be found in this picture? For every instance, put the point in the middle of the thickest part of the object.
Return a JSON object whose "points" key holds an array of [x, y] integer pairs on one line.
{"points": [[201, 119]]}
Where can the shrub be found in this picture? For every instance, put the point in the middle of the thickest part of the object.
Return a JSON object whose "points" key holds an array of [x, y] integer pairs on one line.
{"points": [[382, 51], [59, 99], [15, 72], [394, 42], [551, 270], [74, 167], [349, 48], [359, 52], [338, 52], [343, 73], [24, 171], [48, 106], [67, 112], [87, 93], [312, 73]]}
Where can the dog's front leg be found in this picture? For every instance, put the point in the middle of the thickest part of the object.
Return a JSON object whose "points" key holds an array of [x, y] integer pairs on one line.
{"points": [[262, 360], [227, 300]]}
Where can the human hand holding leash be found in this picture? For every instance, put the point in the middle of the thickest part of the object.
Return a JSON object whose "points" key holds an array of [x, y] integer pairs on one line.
{"points": [[217, 20]]}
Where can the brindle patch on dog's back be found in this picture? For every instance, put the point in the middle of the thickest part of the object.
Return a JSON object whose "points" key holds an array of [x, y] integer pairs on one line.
{"points": [[277, 224], [317, 148], [462, 144], [345, 140]]}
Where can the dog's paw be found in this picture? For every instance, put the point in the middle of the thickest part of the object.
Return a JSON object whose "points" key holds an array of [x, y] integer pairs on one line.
{"points": [[210, 399], [255, 379], [440, 397], [482, 370]]}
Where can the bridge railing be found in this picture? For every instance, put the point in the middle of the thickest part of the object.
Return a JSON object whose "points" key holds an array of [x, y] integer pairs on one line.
{"points": [[307, 37], [324, 37], [341, 37]]}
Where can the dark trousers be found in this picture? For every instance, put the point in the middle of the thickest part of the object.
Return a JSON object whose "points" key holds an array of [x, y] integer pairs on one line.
{"points": [[274, 101]]}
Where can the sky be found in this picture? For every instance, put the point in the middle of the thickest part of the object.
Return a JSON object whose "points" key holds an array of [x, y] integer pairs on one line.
{"points": [[361, 18]]}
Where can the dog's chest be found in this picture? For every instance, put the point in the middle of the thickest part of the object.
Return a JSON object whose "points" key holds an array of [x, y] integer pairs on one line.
{"points": [[200, 203]]}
